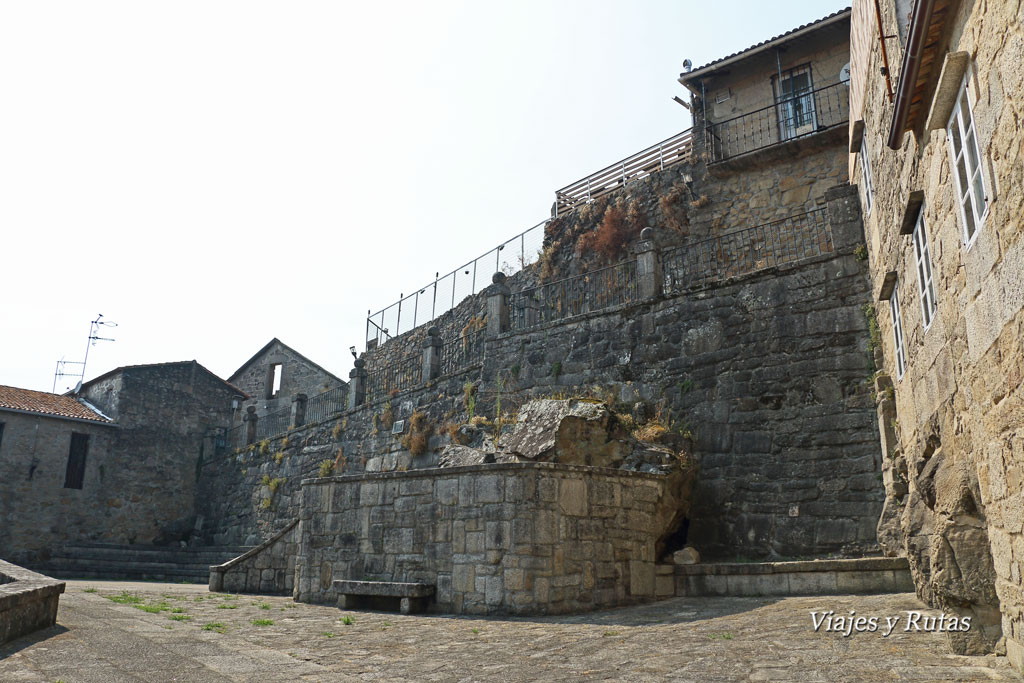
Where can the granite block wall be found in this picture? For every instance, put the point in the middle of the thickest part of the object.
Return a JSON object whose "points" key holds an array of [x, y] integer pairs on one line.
{"points": [[524, 538]]}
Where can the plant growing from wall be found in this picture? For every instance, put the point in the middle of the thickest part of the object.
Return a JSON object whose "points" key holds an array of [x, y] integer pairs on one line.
{"points": [[860, 252], [469, 398], [264, 446], [326, 467], [556, 370], [336, 432], [420, 431], [274, 485]]}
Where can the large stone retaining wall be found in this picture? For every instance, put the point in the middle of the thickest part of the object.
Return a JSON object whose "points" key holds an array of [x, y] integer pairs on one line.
{"points": [[770, 371], [28, 601], [522, 538]]}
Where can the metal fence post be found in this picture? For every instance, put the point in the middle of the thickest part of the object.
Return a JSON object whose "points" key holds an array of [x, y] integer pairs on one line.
{"points": [[497, 305], [650, 280], [431, 355], [357, 384], [250, 418], [299, 410]]}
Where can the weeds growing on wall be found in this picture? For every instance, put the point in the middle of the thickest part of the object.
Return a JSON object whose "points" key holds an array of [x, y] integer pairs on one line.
{"points": [[420, 431], [469, 398], [615, 231], [326, 468]]}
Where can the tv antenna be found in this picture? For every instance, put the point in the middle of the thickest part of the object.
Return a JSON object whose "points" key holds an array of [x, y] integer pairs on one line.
{"points": [[62, 365]]}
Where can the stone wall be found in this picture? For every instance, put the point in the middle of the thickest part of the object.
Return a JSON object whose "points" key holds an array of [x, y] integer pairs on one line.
{"points": [[955, 471], [524, 538], [269, 568], [33, 463], [28, 601], [769, 371]]}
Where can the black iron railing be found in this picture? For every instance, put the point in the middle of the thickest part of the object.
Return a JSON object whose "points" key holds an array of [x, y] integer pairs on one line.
{"points": [[462, 352], [746, 251], [385, 380], [322, 406], [585, 293], [273, 423], [789, 119]]}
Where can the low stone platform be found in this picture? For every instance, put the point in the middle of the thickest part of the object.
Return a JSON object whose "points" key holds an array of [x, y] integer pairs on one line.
{"points": [[28, 601], [859, 576], [412, 596]]}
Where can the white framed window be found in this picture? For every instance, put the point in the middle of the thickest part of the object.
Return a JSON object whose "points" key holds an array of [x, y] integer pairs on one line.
{"points": [[897, 333], [866, 179], [965, 156], [923, 259]]}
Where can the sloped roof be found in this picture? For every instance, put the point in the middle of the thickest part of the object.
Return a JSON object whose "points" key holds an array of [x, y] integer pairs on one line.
{"points": [[43, 403], [684, 78], [267, 346], [227, 384]]}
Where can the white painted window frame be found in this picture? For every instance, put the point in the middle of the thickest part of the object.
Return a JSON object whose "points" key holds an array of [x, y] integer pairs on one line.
{"points": [[975, 175], [897, 333], [867, 180], [923, 263]]}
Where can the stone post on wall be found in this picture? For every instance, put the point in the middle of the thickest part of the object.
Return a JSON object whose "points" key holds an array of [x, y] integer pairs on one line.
{"points": [[844, 217], [650, 280], [432, 355], [497, 305], [357, 384], [298, 410], [250, 419]]}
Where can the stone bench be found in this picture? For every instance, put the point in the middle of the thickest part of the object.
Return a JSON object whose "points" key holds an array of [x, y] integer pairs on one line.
{"points": [[413, 596]]}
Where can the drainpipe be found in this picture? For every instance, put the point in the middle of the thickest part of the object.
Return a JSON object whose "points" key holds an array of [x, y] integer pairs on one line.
{"points": [[910, 69]]}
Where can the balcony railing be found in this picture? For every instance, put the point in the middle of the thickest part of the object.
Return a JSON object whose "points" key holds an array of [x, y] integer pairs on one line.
{"points": [[789, 119], [585, 293], [675, 150], [746, 251]]}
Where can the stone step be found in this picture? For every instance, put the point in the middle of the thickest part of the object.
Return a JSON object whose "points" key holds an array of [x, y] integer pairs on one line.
{"points": [[159, 563], [863, 575]]}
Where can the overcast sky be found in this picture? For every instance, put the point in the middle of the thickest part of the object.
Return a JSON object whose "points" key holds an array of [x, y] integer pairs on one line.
{"points": [[213, 174]]}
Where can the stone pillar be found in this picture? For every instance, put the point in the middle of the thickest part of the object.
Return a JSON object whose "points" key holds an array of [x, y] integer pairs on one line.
{"points": [[299, 410], [844, 217], [529, 313], [250, 419], [497, 305], [357, 384], [650, 280], [432, 355]]}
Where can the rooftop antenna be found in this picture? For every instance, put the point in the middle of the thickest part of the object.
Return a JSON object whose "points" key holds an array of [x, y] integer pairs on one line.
{"points": [[94, 328]]}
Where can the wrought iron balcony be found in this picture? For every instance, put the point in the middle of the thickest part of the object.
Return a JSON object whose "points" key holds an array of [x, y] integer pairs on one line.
{"points": [[796, 117]]}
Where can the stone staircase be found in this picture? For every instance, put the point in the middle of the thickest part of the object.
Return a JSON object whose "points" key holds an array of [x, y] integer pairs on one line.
{"points": [[112, 561]]}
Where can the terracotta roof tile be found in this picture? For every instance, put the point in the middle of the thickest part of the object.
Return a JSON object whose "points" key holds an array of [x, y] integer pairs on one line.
{"points": [[41, 402]]}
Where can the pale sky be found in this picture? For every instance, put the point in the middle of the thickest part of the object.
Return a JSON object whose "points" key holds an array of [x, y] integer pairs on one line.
{"points": [[213, 174]]}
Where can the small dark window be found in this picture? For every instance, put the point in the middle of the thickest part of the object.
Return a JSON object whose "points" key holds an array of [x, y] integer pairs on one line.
{"points": [[1, 433], [75, 474]]}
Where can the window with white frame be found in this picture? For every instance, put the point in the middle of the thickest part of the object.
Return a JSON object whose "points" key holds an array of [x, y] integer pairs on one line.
{"points": [[866, 179], [897, 334], [966, 162], [923, 258]]}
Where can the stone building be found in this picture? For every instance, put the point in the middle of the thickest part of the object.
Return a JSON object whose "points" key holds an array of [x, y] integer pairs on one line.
{"points": [[55, 466], [116, 463], [276, 373], [936, 148]]}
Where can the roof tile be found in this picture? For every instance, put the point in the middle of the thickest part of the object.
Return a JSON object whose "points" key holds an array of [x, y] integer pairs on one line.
{"points": [[41, 402]]}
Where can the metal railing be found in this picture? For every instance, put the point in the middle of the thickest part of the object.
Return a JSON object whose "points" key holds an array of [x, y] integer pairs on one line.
{"points": [[446, 291], [674, 150], [462, 352], [788, 119], [585, 293], [388, 379], [322, 406], [746, 251], [273, 423]]}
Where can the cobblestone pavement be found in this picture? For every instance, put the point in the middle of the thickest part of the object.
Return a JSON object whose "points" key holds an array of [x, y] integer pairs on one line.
{"points": [[190, 634]]}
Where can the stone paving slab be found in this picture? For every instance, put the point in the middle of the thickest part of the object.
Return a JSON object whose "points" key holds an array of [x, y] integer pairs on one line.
{"points": [[685, 639]]}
